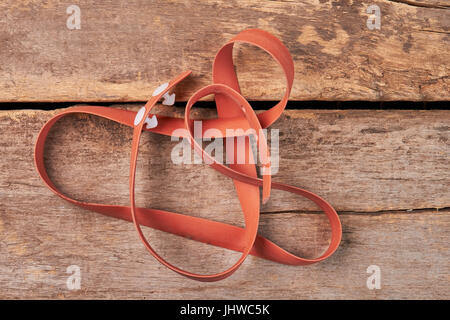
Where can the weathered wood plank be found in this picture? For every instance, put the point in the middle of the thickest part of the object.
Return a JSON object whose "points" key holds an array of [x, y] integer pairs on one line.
{"points": [[124, 49], [358, 159], [38, 243]]}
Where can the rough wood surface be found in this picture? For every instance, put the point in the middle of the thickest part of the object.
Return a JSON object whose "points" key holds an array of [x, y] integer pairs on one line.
{"points": [[383, 170], [124, 49]]}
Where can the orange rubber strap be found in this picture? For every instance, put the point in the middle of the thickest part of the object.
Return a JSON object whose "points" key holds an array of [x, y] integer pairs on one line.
{"points": [[234, 112]]}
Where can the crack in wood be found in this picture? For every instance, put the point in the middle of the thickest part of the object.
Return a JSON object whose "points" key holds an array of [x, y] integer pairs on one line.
{"points": [[422, 4], [445, 209], [433, 31]]}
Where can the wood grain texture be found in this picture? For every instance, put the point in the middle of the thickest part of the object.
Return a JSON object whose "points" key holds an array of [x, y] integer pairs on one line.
{"points": [[380, 169], [359, 160], [40, 242], [124, 49]]}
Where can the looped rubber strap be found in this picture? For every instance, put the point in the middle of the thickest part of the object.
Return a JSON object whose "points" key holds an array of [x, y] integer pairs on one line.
{"points": [[234, 112], [224, 72]]}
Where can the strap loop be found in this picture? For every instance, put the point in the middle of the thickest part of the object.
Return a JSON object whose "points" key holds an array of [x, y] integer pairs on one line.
{"points": [[234, 112]]}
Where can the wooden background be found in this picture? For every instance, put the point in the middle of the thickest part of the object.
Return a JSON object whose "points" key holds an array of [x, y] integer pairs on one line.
{"points": [[385, 171]]}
